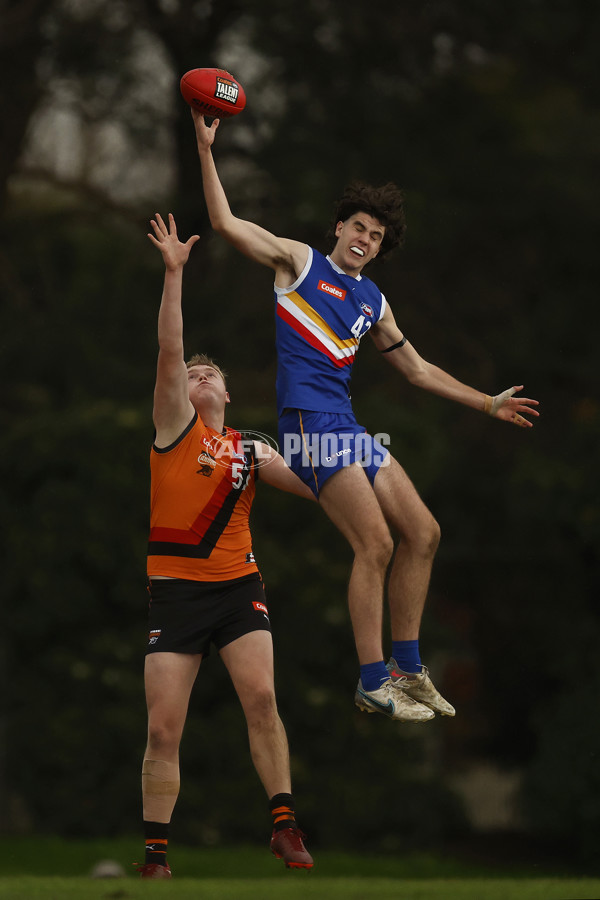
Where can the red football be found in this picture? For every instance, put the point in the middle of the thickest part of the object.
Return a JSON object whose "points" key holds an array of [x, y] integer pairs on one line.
{"points": [[214, 92]]}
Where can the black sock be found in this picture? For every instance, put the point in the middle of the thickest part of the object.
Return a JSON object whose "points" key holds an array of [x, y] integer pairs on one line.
{"points": [[282, 810], [157, 838]]}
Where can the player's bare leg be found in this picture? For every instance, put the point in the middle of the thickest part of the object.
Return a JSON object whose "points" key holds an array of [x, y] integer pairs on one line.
{"points": [[407, 516], [348, 499], [168, 678], [350, 502], [249, 661], [410, 574]]}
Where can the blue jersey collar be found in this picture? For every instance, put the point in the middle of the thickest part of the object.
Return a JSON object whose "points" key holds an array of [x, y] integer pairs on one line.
{"points": [[337, 269]]}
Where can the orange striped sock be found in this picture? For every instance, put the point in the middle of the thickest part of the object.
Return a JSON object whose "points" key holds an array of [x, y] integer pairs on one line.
{"points": [[157, 839], [282, 810]]}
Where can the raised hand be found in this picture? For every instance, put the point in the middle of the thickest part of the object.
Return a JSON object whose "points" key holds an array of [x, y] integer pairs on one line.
{"points": [[175, 253], [205, 134]]}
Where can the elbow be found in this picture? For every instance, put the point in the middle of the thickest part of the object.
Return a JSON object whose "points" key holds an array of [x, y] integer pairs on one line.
{"points": [[224, 225], [418, 373], [218, 225], [417, 377]]}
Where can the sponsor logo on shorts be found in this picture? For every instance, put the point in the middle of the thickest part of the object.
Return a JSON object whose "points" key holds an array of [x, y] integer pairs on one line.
{"points": [[368, 310], [338, 453], [154, 636], [260, 607], [314, 450], [331, 289], [226, 90]]}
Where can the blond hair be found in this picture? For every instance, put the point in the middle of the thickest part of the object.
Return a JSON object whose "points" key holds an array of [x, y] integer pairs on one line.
{"points": [[201, 359]]}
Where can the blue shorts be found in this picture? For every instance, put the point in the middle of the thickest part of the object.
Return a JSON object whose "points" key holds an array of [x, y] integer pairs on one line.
{"points": [[316, 444]]}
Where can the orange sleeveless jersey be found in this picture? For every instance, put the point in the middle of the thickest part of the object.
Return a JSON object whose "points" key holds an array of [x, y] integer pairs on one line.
{"points": [[202, 488]]}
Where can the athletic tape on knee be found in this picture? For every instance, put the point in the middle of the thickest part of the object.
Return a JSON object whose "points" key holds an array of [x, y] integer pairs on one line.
{"points": [[160, 789]]}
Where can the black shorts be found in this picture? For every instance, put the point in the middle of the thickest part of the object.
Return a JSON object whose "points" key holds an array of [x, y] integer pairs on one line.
{"points": [[186, 616]]}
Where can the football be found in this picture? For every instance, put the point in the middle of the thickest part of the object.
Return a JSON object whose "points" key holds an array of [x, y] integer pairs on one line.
{"points": [[214, 92]]}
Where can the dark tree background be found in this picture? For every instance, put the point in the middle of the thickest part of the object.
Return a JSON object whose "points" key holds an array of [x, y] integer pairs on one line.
{"points": [[487, 114]]}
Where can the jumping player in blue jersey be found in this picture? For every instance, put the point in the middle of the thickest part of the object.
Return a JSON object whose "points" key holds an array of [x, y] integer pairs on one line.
{"points": [[324, 307]]}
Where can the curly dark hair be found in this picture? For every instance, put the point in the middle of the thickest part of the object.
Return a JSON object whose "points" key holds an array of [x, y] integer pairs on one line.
{"points": [[385, 203]]}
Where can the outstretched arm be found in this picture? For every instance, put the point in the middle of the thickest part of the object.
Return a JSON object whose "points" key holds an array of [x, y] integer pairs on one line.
{"points": [[390, 341], [172, 407], [274, 470], [286, 257]]}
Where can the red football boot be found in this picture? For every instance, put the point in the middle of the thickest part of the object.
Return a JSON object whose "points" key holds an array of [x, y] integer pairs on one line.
{"points": [[152, 870], [287, 845]]}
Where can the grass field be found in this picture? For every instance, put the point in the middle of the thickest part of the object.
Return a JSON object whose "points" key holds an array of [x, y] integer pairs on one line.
{"points": [[300, 886], [54, 869]]}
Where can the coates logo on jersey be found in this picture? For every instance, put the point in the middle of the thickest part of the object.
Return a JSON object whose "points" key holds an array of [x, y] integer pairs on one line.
{"points": [[327, 288], [368, 310], [207, 464]]}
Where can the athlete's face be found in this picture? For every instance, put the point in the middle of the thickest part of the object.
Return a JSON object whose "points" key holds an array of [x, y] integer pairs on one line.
{"points": [[206, 388], [358, 242]]}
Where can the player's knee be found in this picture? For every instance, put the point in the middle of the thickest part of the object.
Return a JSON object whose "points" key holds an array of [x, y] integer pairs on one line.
{"points": [[163, 740], [438, 533], [261, 708], [380, 547], [428, 537], [373, 544], [385, 549], [435, 535]]}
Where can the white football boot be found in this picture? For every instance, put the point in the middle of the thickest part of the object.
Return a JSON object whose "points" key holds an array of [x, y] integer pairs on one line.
{"points": [[420, 687], [393, 702]]}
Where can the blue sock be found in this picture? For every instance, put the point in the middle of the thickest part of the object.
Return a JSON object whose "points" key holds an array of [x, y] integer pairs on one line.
{"points": [[406, 654], [373, 675]]}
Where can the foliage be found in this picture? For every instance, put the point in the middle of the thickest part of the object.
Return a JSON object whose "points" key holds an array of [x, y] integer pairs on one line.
{"points": [[489, 118]]}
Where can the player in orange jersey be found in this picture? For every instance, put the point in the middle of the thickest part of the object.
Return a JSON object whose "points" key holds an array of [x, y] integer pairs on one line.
{"points": [[204, 583]]}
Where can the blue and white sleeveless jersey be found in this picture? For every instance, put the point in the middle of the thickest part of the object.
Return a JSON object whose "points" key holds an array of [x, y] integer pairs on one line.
{"points": [[320, 320]]}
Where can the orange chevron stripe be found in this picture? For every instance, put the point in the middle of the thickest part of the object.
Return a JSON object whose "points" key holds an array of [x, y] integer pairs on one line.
{"points": [[321, 324]]}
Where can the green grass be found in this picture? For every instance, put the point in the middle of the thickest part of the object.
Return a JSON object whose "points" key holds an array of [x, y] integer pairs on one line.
{"points": [[60, 857], [55, 869], [52, 856], [300, 886]]}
